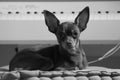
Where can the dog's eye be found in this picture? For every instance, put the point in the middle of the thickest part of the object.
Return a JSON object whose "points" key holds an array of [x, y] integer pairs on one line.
{"points": [[75, 34]]}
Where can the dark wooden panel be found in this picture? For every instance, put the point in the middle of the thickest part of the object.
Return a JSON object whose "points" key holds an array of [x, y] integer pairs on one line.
{"points": [[93, 52], [6, 54]]}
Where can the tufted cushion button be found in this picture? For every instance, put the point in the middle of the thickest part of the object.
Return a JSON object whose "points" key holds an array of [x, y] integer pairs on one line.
{"points": [[27, 73], [32, 78]]}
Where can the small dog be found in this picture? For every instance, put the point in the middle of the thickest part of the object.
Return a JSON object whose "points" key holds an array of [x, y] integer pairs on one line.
{"points": [[66, 56]]}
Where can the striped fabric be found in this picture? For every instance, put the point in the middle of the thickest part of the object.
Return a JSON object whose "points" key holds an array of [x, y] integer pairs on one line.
{"points": [[91, 73]]}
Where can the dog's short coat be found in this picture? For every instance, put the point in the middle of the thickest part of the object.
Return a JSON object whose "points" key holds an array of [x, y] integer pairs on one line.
{"points": [[66, 56]]}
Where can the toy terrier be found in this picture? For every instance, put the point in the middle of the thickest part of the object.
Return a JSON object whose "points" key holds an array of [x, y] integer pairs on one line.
{"points": [[67, 55]]}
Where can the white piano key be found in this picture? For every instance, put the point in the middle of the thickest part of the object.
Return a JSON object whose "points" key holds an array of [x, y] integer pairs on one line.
{"points": [[110, 17], [117, 16]]}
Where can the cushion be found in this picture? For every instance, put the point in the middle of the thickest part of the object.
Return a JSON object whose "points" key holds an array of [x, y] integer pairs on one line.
{"points": [[90, 73]]}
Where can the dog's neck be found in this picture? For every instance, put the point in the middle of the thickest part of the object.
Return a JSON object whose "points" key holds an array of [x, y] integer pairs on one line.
{"points": [[77, 51]]}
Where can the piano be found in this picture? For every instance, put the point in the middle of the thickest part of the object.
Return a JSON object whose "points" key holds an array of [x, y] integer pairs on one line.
{"points": [[23, 21]]}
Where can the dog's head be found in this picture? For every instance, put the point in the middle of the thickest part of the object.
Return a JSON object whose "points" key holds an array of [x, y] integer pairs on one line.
{"points": [[67, 33]]}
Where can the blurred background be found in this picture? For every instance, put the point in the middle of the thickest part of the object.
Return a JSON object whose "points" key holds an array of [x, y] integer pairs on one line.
{"points": [[22, 25]]}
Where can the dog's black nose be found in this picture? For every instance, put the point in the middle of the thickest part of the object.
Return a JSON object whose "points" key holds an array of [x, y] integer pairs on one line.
{"points": [[69, 44]]}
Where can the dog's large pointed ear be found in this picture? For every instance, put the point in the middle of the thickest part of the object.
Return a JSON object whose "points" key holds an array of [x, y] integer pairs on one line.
{"points": [[82, 19], [51, 21]]}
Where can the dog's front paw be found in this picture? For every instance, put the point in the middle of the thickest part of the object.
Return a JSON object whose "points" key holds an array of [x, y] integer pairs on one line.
{"points": [[60, 69], [76, 68]]}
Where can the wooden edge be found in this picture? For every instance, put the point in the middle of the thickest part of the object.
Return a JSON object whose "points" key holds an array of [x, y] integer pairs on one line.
{"points": [[55, 41]]}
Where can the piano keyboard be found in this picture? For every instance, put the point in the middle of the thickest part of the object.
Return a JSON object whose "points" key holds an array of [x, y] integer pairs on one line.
{"points": [[99, 10]]}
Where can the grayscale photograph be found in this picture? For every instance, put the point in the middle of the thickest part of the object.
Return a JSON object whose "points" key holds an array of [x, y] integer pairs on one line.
{"points": [[59, 40]]}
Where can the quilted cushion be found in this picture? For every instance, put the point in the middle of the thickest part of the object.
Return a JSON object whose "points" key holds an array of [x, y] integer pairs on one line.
{"points": [[91, 73]]}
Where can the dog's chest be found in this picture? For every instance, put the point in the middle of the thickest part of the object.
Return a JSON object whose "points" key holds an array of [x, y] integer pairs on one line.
{"points": [[61, 58], [70, 61]]}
